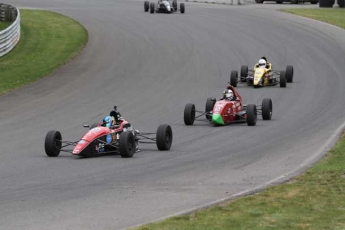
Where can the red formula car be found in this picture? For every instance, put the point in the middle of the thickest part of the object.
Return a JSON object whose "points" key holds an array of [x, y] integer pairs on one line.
{"points": [[99, 140], [227, 111]]}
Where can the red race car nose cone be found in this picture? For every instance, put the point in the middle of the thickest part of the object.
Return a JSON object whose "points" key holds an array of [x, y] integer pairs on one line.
{"points": [[217, 119]]}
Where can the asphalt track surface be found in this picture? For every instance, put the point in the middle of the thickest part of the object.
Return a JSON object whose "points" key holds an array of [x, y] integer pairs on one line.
{"points": [[150, 66]]}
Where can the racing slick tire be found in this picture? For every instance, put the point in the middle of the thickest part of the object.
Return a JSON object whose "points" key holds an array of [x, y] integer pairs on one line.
{"points": [[326, 3], [251, 115], [174, 5], [289, 73], [282, 79], [152, 8], [341, 3], [52, 143], [189, 114], [146, 6], [244, 73], [209, 106], [279, 2], [164, 137], [233, 78], [182, 8], [127, 145], [94, 125], [314, 2], [266, 109]]}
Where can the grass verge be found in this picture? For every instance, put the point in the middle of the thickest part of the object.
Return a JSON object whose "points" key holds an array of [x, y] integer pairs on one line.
{"points": [[4, 25], [332, 16], [48, 40], [314, 200]]}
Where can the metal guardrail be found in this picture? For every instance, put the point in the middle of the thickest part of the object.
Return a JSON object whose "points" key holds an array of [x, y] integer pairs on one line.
{"points": [[10, 36]]}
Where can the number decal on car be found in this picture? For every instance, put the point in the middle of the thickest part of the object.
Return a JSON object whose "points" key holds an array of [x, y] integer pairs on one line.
{"points": [[217, 108]]}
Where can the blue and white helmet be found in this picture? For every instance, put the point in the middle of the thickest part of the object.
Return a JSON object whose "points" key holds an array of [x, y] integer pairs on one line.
{"points": [[108, 121]]}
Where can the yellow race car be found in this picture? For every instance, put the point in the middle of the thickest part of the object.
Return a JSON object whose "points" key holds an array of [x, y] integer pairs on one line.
{"points": [[261, 76]]}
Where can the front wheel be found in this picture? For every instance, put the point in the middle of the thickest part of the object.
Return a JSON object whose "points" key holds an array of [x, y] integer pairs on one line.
{"points": [[244, 73], [189, 114], [146, 6], [282, 79], [289, 73], [164, 137], [127, 144], [266, 109], [152, 8], [233, 78], [174, 5], [251, 113], [52, 143], [209, 107], [182, 8]]}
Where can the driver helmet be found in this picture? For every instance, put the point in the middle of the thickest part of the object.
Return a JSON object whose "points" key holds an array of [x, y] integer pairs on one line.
{"points": [[108, 121], [262, 63], [228, 94]]}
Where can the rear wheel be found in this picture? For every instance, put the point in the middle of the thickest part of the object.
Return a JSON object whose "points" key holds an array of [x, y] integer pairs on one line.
{"points": [[182, 9], [326, 3], [146, 6], [233, 78], [282, 79], [189, 114], [314, 2], [127, 144], [341, 3], [52, 143], [164, 137], [289, 73], [267, 109], [251, 113], [209, 107], [152, 8], [244, 73]]}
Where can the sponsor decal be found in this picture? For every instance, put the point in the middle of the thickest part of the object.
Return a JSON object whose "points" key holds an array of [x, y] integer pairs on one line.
{"points": [[217, 108], [109, 138], [95, 130], [114, 137], [100, 147]]}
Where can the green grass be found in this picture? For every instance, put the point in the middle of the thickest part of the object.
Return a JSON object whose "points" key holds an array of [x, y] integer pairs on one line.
{"points": [[314, 200], [332, 16], [4, 25], [48, 40]]}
